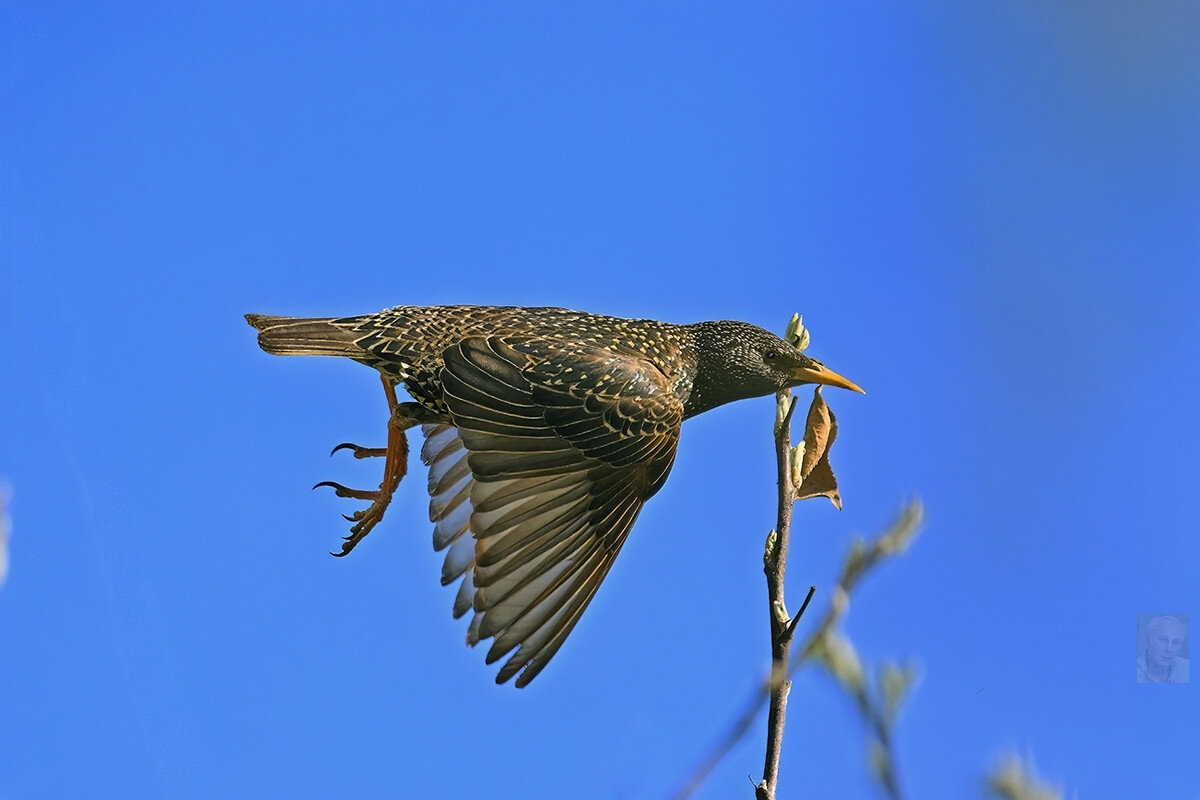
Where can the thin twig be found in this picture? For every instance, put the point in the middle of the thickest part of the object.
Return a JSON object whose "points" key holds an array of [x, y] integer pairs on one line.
{"points": [[861, 560], [887, 770], [782, 628], [753, 707], [737, 731]]}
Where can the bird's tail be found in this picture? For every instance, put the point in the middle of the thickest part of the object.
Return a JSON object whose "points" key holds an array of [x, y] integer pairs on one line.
{"points": [[300, 336]]}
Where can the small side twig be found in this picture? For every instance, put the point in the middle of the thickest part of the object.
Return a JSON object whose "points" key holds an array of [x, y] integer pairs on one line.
{"points": [[791, 631]]}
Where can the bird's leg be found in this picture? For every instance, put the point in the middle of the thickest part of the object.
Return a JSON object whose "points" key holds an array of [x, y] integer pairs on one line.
{"points": [[395, 466]]}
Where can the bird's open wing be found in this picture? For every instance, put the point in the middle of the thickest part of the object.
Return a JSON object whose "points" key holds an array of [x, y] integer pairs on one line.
{"points": [[536, 484]]}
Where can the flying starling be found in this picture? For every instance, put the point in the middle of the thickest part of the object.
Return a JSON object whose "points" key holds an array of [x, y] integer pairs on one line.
{"points": [[545, 432]]}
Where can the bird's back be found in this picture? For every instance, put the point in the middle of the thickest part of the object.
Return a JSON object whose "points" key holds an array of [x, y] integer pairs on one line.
{"points": [[418, 332], [407, 343]]}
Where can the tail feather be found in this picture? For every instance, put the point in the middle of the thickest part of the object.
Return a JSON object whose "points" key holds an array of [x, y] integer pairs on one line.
{"points": [[300, 336]]}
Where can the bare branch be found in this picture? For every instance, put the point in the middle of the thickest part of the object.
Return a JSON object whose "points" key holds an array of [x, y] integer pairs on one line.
{"points": [[860, 562], [803, 471], [775, 566]]}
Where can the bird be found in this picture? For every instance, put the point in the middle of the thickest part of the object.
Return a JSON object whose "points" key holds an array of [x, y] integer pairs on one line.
{"points": [[545, 432]]}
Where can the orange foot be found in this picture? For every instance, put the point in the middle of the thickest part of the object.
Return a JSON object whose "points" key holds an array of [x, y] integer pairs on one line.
{"points": [[395, 466]]}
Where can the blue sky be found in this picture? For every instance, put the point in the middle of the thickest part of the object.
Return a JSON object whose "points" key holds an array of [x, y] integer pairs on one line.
{"points": [[988, 217]]}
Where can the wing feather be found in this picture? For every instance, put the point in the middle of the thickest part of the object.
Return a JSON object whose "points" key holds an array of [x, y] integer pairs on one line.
{"points": [[543, 611], [536, 482]]}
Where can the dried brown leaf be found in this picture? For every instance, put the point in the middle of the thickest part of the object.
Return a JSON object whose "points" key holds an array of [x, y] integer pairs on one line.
{"points": [[816, 475]]}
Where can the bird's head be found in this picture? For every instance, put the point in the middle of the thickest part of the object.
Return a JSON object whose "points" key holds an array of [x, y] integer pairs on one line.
{"points": [[736, 360]]}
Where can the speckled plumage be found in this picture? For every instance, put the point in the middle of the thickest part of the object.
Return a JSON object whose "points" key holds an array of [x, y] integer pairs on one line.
{"points": [[546, 431]]}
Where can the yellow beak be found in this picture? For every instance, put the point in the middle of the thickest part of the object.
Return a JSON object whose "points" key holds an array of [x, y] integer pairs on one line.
{"points": [[818, 373]]}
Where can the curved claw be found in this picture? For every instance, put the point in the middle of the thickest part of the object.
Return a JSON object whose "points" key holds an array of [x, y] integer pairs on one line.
{"points": [[351, 541], [346, 491], [359, 451], [395, 467]]}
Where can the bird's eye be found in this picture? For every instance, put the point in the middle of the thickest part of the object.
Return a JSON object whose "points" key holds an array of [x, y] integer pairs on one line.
{"points": [[770, 354]]}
